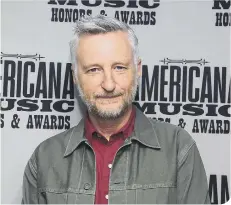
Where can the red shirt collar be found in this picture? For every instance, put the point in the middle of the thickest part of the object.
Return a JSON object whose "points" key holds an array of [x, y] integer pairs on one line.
{"points": [[126, 130]]}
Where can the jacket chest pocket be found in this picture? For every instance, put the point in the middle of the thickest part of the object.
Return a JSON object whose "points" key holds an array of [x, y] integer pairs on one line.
{"points": [[65, 198], [146, 194], [57, 198], [158, 195]]}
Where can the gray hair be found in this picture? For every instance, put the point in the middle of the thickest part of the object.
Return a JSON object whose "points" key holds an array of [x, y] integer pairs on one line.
{"points": [[97, 25]]}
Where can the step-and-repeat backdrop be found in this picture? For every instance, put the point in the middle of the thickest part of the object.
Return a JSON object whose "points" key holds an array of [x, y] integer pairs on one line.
{"points": [[185, 52]]}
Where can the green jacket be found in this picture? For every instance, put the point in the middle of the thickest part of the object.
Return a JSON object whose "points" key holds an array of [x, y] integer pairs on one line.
{"points": [[158, 163]]}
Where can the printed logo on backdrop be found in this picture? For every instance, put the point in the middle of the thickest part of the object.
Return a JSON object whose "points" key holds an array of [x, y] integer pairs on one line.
{"points": [[222, 15], [132, 12], [189, 93], [33, 86], [220, 181]]}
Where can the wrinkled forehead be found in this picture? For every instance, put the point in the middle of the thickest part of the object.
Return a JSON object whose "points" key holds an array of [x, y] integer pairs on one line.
{"points": [[106, 46]]}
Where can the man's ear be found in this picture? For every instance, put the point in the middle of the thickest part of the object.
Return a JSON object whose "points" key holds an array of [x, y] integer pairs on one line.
{"points": [[139, 68], [74, 74]]}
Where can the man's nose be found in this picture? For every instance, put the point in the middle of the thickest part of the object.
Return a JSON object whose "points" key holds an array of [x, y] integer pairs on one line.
{"points": [[108, 83]]}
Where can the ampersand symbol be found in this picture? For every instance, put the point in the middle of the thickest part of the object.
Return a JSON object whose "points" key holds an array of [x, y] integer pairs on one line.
{"points": [[181, 123], [15, 121]]}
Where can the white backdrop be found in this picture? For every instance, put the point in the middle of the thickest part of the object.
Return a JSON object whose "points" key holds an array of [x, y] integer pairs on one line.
{"points": [[185, 52]]}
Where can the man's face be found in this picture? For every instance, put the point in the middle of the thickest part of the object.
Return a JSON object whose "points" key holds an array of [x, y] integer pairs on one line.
{"points": [[106, 74]]}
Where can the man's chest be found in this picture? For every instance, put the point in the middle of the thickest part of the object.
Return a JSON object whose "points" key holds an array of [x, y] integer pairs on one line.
{"points": [[137, 175]]}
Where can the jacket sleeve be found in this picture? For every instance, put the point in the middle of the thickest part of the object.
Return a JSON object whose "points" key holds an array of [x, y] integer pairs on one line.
{"points": [[192, 186], [29, 191]]}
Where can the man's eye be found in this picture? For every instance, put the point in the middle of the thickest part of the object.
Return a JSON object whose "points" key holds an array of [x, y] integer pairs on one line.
{"points": [[120, 68], [93, 70]]}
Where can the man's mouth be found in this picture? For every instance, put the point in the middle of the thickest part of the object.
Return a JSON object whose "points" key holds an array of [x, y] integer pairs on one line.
{"points": [[108, 97]]}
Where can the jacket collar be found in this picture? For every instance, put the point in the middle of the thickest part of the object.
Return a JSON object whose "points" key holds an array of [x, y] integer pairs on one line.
{"points": [[144, 133], [76, 138]]}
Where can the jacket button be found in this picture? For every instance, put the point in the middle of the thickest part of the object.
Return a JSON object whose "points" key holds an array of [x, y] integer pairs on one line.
{"points": [[87, 186]]}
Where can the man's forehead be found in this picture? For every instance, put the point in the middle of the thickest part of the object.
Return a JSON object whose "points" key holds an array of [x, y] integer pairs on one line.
{"points": [[118, 34], [110, 44]]}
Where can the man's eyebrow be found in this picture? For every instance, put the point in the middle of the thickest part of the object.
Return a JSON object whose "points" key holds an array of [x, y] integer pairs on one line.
{"points": [[121, 63], [98, 65], [91, 65]]}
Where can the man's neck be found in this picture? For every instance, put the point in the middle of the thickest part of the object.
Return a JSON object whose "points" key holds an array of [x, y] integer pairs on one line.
{"points": [[109, 127]]}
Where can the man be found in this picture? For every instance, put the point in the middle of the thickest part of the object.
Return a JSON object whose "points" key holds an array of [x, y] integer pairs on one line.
{"points": [[115, 154]]}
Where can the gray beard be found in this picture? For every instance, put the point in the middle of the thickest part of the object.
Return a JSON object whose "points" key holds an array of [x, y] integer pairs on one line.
{"points": [[114, 114]]}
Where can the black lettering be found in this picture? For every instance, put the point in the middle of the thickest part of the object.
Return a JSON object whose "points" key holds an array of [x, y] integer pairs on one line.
{"points": [[196, 97], [163, 82], [38, 119], [195, 127], [68, 86], [53, 122], [221, 4], [219, 127], [1, 120], [206, 88], [218, 19], [75, 14], [87, 3], [165, 107], [139, 18], [132, 18], [59, 106], [226, 126], [145, 4], [68, 15], [9, 78], [193, 109], [61, 122], [223, 110], [27, 65], [145, 86], [41, 87], [211, 127], [184, 83], [54, 16], [174, 83], [212, 109], [226, 19], [27, 105], [46, 105], [19, 79], [224, 189], [46, 122], [124, 16], [63, 2], [30, 123], [153, 18], [10, 104], [114, 3], [204, 125], [54, 80], [219, 85], [61, 15], [146, 18], [147, 106], [117, 16], [67, 122], [213, 189], [137, 97], [132, 4], [52, 2], [229, 93]]}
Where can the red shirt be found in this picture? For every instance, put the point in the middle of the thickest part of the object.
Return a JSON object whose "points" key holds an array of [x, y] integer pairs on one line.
{"points": [[105, 152]]}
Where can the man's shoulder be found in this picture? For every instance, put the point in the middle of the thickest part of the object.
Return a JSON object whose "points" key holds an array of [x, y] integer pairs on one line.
{"points": [[169, 135], [54, 146]]}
